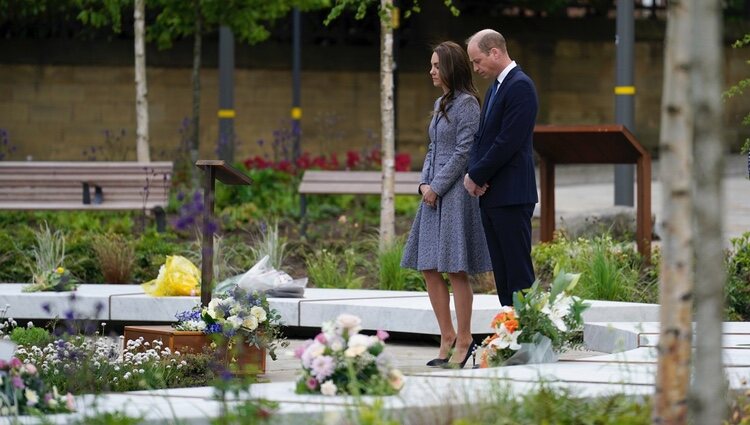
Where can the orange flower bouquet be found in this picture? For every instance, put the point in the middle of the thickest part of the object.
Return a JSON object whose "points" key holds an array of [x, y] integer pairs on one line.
{"points": [[538, 326]]}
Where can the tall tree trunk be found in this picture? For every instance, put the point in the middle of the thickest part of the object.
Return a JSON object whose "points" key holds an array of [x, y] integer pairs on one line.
{"points": [[676, 289], [387, 209], [141, 87], [196, 79], [708, 402]]}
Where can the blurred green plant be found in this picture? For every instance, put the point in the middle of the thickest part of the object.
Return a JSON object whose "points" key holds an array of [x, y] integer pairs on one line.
{"points": [[270, 242], [391, 275], [150, 250], [738, 89], [31, 336], [48, 253], [610, 270], [738, 279], [327, 269]]}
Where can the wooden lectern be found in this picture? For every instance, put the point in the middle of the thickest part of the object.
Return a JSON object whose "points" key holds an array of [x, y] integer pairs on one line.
{"points": [[225, 173], [593, 144]]}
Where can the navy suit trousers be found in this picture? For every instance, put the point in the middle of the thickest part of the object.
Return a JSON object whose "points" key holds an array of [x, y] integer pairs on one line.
{"points": [[508, 233]]}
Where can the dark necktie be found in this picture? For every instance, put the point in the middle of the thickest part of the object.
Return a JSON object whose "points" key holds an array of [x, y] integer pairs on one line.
{"points": [[492, 97]]}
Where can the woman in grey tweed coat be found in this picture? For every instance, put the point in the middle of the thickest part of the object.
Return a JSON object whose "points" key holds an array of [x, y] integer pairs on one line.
{"points": [[447, 235]]}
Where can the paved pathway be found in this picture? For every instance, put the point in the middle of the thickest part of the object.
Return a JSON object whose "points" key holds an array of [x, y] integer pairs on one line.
{"points": [[586, 188]]}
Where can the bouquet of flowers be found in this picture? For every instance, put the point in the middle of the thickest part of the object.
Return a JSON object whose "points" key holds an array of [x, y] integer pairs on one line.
{"points": [[540, 324], [22, 391], [340, 360], [237, 313], [57, 280]]}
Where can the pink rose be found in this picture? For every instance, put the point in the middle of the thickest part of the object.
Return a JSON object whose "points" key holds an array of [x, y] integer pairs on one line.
{"points": [[30, 369], [312, 383], [382, 335], [321, 338]]}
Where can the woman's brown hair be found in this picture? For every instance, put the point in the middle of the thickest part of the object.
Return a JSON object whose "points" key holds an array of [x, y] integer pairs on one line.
{"points": [[454, 70]]}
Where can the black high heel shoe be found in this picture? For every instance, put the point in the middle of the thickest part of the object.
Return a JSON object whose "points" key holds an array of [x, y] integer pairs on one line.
{"points": [[438, 362], [471, 352]]}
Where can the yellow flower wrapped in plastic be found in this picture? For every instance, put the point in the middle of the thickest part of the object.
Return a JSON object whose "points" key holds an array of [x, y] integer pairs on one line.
{"points": [[178, 276]]}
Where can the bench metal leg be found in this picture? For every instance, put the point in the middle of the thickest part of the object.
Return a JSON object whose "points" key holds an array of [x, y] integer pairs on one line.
{"points": [[161, 219], [86, 194]]}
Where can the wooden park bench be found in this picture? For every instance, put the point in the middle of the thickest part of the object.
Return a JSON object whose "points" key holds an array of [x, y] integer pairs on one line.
{"points": [[89, 186], [356, 182]]}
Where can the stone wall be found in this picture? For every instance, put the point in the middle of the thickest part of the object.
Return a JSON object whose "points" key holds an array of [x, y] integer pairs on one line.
{"points": [[54, 112]]}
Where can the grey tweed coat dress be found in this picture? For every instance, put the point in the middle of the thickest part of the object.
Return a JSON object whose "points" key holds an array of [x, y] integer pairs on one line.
{"points": [[450, 237]]}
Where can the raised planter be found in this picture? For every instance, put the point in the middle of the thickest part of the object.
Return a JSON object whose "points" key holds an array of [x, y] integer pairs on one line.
{"points": [[241, 359]]}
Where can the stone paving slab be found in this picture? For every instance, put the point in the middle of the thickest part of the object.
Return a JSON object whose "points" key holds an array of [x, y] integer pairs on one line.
{"points": [[399, 311], [733, 357], [575, 199], [88, 300], [612, 337]]}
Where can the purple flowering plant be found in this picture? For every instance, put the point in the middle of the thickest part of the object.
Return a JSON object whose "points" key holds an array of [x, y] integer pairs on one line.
{"points": [[237, 315], [340, 360]]}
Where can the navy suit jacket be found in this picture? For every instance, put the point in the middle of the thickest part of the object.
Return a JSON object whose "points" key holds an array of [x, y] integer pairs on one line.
{"points": [[502, 154]]}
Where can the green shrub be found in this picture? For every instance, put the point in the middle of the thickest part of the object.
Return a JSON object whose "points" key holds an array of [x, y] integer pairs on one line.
{"points": [[108, 418], [327, 269], [392, 275], [407, 204], [738, 279], [15, 244], [31, 337], [81, 258], [547, 405], [151, 250], [610, 270]]}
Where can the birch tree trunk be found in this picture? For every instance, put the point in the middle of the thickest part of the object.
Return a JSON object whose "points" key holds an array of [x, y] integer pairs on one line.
{"points": [[196, 79], [708, 392], [676, 286], [141, 87], [387, 209]]}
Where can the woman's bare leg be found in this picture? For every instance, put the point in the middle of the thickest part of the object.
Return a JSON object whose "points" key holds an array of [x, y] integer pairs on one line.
{"points": [[437, 289], [463, 298]]}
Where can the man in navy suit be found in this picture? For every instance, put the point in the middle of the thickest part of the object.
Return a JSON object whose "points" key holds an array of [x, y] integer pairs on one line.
{"points": [[501, 167]]}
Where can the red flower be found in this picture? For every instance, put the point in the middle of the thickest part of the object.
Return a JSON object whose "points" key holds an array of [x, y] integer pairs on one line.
{"points": [[352, 159], [373, 158], [304, 162], [403, 162]]}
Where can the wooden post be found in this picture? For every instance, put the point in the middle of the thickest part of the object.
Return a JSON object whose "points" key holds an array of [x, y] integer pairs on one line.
{"points": [[207, 246], [547, 206], [214, 170], [643, 211]]}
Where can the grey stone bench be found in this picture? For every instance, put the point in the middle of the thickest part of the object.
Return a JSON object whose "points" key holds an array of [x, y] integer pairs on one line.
{"points": [[83, 185]]}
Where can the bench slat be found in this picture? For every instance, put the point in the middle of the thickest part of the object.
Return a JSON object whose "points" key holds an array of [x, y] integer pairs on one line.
{"points": [[82, 165], [106, 206], [57, 185], [356, 182]]}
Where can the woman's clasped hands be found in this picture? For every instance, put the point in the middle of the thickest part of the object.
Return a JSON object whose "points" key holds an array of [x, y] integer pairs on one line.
{"points": [[429, 196]]}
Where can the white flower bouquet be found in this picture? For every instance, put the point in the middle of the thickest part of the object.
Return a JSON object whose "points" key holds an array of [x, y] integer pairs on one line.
{"points": [[237, 313]]}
